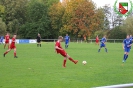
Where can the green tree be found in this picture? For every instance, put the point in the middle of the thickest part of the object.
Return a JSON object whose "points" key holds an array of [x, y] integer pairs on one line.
{"points": [[36, 20], [128, 25], [14, 14], [116, 33], [56, 12], [2, 27]]}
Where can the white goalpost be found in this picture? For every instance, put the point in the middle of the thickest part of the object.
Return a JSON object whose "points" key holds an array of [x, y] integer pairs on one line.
{"points": [[117, 86]]}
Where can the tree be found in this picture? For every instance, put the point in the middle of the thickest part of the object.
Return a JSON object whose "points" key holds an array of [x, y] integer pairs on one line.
{"points": [[128, 25], [2, 27], [112, 19], [116, 33], [37, 20], [14, 14], [81, 18], [56, 12]]}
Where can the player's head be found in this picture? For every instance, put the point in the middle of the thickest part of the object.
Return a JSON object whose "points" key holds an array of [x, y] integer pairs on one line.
{"points": [[7, 33], [104, 36], [38, 34], [60, 38], [128, 36], [66, 34], [14, 36]]}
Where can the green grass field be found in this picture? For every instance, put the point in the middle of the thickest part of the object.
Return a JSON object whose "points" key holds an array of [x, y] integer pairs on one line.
{"points": [[42, 68]]}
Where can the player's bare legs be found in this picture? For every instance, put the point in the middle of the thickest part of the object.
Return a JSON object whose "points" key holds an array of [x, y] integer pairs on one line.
{"points": [[39, 44], [6, 52], [7, 45], [15, 53], [65, 58]]}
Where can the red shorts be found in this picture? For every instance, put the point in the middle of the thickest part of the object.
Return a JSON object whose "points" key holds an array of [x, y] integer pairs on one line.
{"points": [[7, 41], [63, 53], [97, 41], [12, 47]]}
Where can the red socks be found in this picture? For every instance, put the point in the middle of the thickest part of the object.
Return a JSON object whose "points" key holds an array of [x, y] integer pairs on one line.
{"points": [[74, 61], [71, 59], [14, 54], [64, 63]]}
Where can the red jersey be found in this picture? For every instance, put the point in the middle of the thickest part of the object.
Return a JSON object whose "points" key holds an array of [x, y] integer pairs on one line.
{"points": [[7, 37], [13, 42], [59, 45]]}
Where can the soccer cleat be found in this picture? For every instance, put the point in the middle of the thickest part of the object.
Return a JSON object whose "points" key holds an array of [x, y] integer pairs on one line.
{"points": [[123, 61], [4, 55], [15, 57], [64, 66], [76, 61], [99, 50]]}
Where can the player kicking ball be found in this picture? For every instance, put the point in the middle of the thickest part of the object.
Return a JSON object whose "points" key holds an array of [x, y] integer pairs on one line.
{"points": [[61, 51], [103, 41], [127, 43], [12, 46]]}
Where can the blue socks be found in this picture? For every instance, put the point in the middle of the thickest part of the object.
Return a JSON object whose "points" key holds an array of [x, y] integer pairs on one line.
{"points": [[125, 57], [106, 50], [99, 50]]}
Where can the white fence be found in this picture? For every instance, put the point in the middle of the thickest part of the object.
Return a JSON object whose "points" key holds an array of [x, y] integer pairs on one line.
{"points": [[87, 41], [20, 41]]}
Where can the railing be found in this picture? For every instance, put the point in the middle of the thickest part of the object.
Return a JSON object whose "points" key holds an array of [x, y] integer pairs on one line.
{"points": [[117, 86], [87, 41]]}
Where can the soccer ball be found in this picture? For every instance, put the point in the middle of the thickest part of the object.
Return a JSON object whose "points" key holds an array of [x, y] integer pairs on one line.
{"points": [[84, 62]]}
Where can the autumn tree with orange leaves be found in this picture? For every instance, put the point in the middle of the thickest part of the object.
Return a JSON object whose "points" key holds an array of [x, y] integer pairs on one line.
{"points": [[81, 18]]}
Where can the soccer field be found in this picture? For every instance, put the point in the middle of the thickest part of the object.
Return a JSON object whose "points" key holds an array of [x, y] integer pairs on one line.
{"points": [[41, 67]]}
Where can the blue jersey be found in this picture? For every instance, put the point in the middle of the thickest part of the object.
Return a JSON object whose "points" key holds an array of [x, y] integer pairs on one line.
{"points": [[103, 40], [67, 38], [126, 43], [1, 38]]}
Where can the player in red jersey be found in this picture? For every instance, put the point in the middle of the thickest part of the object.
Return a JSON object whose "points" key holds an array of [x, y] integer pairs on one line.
{"points": [[12, 46], [61, 51], [97, 40], [7, 38]]}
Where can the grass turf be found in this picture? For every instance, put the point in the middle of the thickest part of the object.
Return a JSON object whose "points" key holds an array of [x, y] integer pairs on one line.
{"points": [[41, 67]]}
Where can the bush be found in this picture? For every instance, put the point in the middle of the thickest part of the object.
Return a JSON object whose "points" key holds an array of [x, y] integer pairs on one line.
{"points": [[116, 33]]}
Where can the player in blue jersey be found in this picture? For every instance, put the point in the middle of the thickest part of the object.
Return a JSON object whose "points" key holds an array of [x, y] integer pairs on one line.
{"points": [[127, 43], [103, 41], [1, 39], [67, 40]]}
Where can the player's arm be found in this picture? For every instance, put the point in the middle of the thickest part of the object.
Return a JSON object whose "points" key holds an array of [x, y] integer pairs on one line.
{"points": [[5, 38], [13, 40], [56, 47], [123, 46], [130, 44]]}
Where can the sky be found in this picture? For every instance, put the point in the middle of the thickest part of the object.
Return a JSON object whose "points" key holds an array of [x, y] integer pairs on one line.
{"points": [[101, 3]]}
